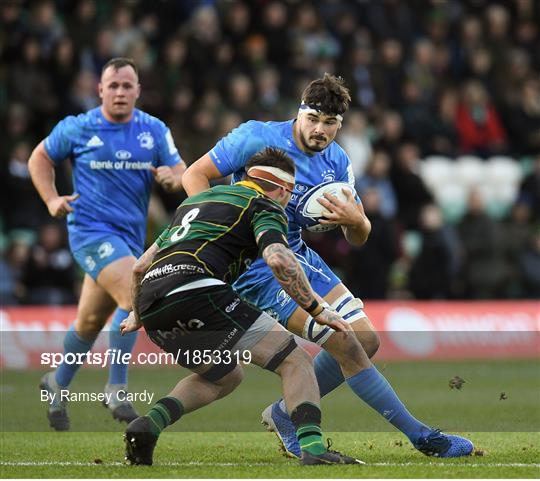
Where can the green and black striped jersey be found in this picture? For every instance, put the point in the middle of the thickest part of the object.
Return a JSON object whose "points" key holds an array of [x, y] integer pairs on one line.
{"points": [[212, 234]]}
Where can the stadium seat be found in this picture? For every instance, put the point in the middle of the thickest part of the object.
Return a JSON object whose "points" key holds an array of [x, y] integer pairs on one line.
{"points": [[452, 198], [436, 171], [502, 170], [502, 178], [470, 170], [502, 197], [505, 193]]}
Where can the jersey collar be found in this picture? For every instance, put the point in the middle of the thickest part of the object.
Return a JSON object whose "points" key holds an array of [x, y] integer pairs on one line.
{"points": [[103, 120], [251, 185]]}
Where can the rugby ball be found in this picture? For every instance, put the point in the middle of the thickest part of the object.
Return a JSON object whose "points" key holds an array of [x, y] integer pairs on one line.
{"points": [[309, 211]]}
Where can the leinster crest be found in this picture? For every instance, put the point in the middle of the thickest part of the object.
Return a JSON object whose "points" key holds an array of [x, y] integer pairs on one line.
{"points": [[146, 140]]}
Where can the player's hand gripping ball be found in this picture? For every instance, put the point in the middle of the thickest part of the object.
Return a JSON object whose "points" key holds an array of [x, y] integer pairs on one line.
{"points": [[309, 211]]}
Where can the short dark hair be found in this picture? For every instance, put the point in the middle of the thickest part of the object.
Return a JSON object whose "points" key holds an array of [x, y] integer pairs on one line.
{"points": [[272, 157], [329, 94], [118, 62]]}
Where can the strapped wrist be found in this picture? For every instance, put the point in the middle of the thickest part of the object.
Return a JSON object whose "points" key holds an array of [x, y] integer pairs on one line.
{"points": [[315, 308]]}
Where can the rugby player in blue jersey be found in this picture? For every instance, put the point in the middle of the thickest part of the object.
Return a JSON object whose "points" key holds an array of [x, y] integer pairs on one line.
{"points": [[116, 152], [309, 140]]}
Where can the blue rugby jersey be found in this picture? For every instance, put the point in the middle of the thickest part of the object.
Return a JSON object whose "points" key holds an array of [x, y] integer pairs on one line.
{"points": [[232, 152], [111, 172]]}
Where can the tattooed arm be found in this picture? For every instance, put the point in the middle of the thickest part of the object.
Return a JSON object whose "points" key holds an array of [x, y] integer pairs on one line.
{"points": [[290, 274], [133, 322]]}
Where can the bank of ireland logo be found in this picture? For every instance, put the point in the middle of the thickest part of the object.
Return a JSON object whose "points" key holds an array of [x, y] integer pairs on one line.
{"points": [[146, 140], [301, 188], [282, 298], [123, 155], [105, 250]]}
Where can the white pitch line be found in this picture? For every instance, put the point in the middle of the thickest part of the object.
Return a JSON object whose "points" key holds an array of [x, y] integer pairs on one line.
{"points": [[472, 465], [210, 464]]}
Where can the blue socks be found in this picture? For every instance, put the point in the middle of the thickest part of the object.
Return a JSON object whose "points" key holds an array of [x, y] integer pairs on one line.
{"points": [[74, 344], [118, 371], [371, 386], [327, 372]]}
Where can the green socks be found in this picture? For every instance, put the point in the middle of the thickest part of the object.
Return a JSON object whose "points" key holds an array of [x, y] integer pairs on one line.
{"points": [[306, 418], [310, 439], [165, 412]]}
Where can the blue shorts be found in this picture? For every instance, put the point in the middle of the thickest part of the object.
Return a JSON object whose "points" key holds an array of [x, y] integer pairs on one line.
{"points": [[259, 286], [102, 251]]}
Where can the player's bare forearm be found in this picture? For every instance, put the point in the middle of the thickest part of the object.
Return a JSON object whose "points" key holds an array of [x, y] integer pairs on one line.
{"points": [[42, 174], [357, 234], [139, 269], [289, 274], [292, 278], [195, 182], [41, 171], [198, 175]]}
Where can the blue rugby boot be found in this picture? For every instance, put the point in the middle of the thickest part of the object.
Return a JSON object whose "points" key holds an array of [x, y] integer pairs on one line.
{"points": [[278, 422], [443, 445]]}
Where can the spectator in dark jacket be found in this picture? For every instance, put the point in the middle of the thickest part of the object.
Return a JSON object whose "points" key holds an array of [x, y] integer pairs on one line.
{"points": [[523, 120], [50, 273], [377, 177], [434, 268], [484, 270], [21, 206], [529, 190], [411, 192], [367, 268], [530, 267]]}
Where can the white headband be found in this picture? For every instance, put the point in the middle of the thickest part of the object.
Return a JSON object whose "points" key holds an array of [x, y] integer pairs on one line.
{"points": [[275, 171], [309, 109]]}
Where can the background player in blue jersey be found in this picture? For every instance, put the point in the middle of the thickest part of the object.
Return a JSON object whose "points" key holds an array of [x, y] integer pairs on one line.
{"points": [[309, 140], [116, 152]]}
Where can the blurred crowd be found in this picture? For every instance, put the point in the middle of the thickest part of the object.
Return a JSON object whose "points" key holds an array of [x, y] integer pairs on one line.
{"points": [[427, 77]]}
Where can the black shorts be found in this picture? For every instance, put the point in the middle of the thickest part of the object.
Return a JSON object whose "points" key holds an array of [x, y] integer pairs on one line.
{"points": [[205, 319]]}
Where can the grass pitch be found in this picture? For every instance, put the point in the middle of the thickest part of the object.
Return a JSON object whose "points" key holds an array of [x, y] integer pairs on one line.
{"points": [[225, 440]]}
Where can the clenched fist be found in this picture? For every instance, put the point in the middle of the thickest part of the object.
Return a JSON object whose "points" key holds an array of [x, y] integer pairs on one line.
{"points": [[59, 206], [165, 177]]}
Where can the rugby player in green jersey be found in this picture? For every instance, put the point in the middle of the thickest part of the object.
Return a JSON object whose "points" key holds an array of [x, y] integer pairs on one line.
{"points": [[183, 297]]}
